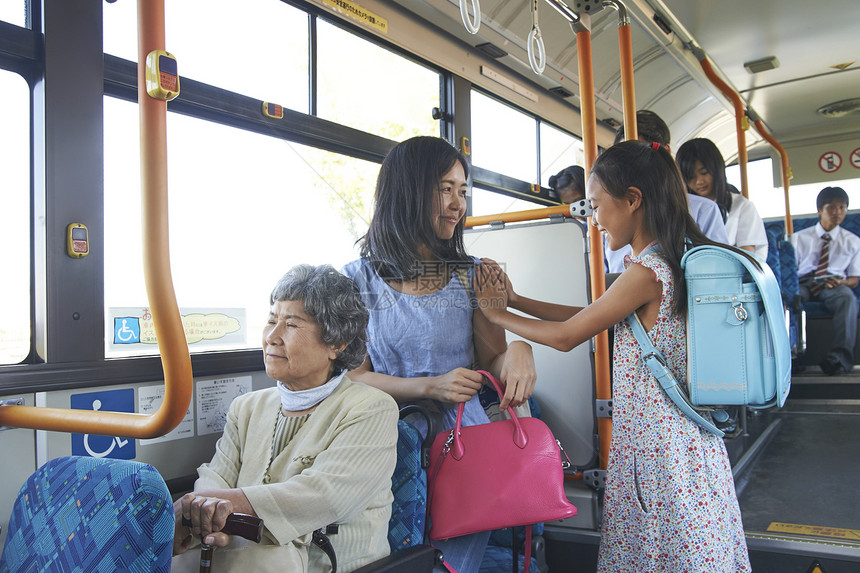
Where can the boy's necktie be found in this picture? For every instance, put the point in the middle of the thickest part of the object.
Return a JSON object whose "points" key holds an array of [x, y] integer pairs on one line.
{"points": [[821, 270]]}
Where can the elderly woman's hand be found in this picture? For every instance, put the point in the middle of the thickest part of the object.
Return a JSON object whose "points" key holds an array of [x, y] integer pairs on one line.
{"points": [[208, 516]]}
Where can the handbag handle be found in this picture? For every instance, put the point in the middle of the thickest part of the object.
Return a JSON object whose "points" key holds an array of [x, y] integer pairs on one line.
{"points": [[519, 436]]}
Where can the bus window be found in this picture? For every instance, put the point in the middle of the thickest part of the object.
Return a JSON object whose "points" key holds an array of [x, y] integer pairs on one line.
{"points": [[244, 208], [558, 150], [485, 202], [503, 139], [256, 48], [15, 218], [14, 12], [365, 86], [770, 200]]}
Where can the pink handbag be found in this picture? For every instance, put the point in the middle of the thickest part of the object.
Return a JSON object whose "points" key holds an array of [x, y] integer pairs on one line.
{"points": [[496, 475]]}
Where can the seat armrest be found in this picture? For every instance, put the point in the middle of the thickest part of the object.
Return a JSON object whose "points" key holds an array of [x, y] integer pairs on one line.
{"points": [[415, 559]]}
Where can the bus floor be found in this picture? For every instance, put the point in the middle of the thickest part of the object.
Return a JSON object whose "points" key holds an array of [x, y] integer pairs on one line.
{"points": [[797, 476], [800, 499]]}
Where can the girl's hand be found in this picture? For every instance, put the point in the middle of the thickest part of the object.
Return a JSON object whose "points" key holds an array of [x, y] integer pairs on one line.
{"points": [[490, 291], [458, 385], [518, 374], [208, 516], [513, 297]]}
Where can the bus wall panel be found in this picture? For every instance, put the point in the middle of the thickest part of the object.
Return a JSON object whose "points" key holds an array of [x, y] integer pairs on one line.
{"points": [[173, 458], [18, 451], [547, 261]]}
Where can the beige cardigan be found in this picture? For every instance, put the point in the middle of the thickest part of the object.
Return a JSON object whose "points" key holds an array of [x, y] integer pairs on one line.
{"points": [[336, 469]]}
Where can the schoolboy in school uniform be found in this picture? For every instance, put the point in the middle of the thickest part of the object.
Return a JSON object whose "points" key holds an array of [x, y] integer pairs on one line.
{"points": [[828, 264]]}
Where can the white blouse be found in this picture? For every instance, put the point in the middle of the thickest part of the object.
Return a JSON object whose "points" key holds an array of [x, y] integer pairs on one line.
{"points": [[745, 227]]}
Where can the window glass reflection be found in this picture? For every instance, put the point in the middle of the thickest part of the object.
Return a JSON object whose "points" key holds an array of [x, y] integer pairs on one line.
{"points": [[244, 208]]}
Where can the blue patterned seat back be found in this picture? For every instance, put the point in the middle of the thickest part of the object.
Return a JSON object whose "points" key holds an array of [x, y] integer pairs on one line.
{"points": [[774, 234], [82, 515], [409, 486], [783, 261]]}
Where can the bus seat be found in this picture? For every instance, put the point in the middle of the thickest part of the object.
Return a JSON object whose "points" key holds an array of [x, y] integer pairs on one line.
{"points": [[810, 323], [774, 237], [90, 514], [409, 486], [409, 510]]}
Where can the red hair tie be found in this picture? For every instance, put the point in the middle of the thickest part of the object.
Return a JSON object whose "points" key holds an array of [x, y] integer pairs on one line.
{"points": [[655, 146]]}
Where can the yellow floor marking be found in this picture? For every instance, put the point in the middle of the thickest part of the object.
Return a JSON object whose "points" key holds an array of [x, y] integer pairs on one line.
{"points": [[817, 530]]}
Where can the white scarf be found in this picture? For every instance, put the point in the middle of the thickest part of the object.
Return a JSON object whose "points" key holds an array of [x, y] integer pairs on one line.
{"points": [[296, 401]]}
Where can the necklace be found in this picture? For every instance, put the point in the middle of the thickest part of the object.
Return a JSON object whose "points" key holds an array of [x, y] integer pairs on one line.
{"points": [[266, 477], [286, 427]]}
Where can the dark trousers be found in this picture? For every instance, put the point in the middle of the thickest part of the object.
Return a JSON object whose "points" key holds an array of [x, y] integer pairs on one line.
{"points": [[842, 304]]}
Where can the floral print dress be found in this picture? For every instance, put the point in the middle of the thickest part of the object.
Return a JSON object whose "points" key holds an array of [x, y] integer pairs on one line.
{"points": [[670, 503]]}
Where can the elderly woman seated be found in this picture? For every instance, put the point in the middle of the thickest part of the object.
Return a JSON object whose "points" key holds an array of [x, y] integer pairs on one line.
{"points": [[313, 450]]}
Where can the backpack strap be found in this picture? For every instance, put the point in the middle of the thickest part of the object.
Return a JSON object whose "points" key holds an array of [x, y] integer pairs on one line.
{"points": [[657, 364], [772, 300]]}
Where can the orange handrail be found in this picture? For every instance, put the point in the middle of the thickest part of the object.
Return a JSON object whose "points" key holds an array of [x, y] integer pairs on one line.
{"points": [[740, 114], [517, 216], [156, 266], [786, 169], [625, 49], [602, 368]]}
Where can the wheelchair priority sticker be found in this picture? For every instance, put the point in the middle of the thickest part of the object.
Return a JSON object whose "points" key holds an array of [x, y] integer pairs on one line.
{"points": [[126, 330], [96, 446]]}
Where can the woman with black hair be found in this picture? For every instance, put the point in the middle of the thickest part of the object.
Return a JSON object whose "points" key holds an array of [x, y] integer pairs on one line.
{"points": [[424, 336], [704, 171], [569, 183]]}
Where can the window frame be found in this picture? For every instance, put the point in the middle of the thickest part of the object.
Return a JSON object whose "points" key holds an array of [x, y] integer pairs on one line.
{"points": [[76, 347]]}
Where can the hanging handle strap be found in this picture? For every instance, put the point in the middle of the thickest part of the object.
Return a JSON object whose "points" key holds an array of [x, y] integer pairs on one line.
{"points": [[471, 27], [536, 50]]}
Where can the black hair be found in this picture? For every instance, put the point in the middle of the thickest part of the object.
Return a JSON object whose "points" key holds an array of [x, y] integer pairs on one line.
{"points": [[704, 150], [407, 187], [650, 127], [651, 169], [830, 194], [573, 176]]}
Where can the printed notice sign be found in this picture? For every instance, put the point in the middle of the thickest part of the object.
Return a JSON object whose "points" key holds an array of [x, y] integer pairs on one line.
{"points": [[213, 402], [355, 12], [209, 328], [149, 399]]}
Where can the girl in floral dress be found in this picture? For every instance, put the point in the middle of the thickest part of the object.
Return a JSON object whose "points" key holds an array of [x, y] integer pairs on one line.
{"points": [[670, 503]]}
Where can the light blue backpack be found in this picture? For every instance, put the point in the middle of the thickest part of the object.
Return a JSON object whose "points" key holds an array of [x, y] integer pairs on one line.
{"points": [[738, 350]]}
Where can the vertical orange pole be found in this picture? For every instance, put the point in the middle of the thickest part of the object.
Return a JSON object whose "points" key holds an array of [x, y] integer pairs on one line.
{"points": [[156, 269], [786, 171], [740, 116], [169, 330], [603, 388], [627, 90]]}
